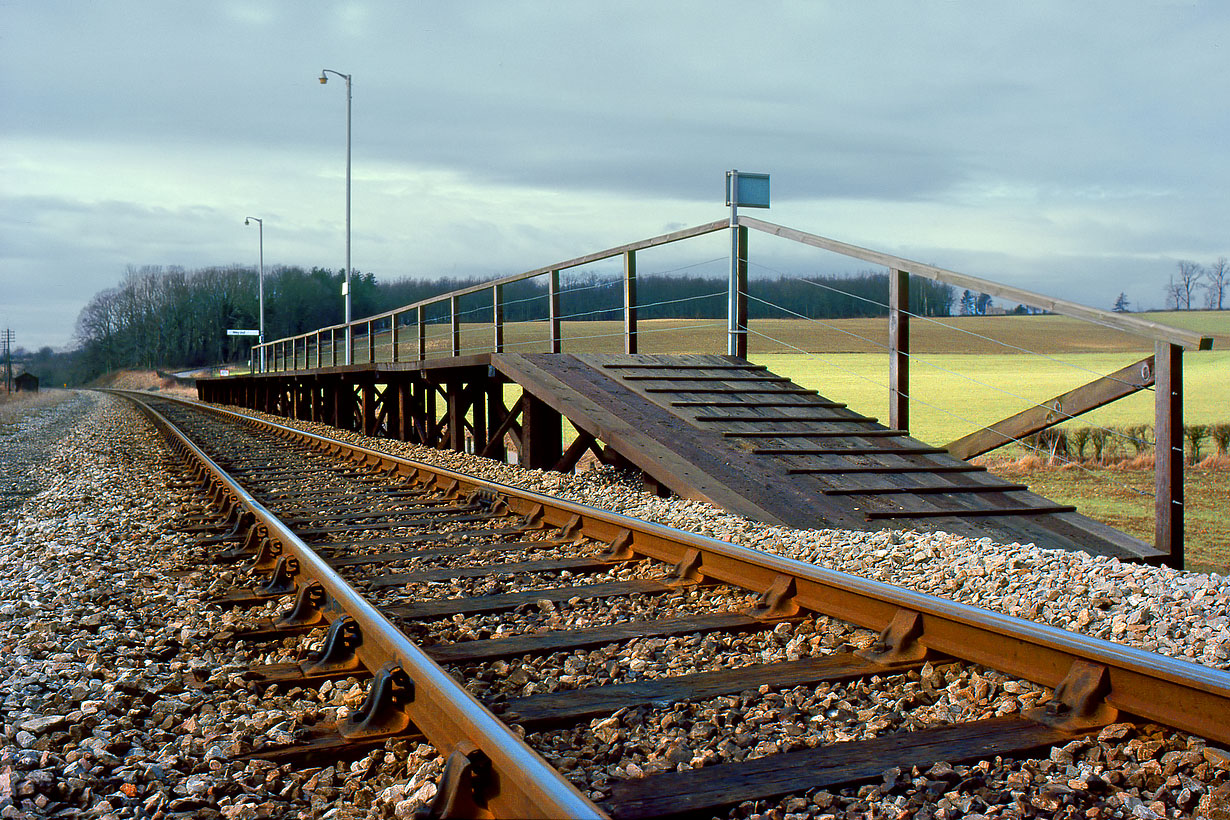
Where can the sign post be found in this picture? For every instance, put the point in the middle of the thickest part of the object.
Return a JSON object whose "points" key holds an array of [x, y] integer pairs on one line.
{"points": [[750, 191]]}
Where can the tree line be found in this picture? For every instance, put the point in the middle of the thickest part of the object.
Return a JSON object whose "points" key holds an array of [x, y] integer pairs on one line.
{"points": [[169, 317], [1184, 288]]}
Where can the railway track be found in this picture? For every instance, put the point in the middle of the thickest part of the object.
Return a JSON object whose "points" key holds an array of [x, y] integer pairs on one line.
{"points": [[530, 639]]}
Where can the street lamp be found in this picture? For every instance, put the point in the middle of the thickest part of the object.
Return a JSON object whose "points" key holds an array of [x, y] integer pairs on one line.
{"points": [[260, 227], [323, 80]]}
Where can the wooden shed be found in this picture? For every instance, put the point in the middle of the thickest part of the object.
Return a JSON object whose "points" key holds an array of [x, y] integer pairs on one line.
{"points": [[26, 383]]}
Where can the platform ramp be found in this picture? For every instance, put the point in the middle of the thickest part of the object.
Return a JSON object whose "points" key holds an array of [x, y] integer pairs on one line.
{"points": [[727, 431]]}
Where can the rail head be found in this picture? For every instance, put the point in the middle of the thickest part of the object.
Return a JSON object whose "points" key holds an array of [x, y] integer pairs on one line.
{"points": [[1172, 692]]}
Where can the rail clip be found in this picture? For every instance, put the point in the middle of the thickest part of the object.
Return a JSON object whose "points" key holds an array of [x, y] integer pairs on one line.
{"points": [[1079, 701], [463, 786], [383, 713]]}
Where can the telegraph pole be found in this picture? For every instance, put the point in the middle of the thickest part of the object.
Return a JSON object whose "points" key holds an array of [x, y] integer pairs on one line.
{"points": [[8, 361]]}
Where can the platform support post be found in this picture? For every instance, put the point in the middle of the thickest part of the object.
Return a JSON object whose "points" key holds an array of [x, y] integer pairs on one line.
{"points": [[457, 406], [899, 349], [541, 434], [496, 414], [1168, 451], [630, 308]]}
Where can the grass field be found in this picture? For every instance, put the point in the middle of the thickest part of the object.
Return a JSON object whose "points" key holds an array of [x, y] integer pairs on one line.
{"points": [[1121, 498], [952, 395]]}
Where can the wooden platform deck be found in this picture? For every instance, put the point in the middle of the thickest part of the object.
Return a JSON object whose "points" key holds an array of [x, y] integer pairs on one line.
{"points": [[729, 432]]}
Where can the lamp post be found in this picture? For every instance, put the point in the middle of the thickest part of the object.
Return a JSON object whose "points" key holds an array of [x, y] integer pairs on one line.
{"points": [[323, 80], [260, 228]]}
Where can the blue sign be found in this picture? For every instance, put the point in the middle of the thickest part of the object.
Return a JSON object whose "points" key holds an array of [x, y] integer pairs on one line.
{"points": [[750, 190]]}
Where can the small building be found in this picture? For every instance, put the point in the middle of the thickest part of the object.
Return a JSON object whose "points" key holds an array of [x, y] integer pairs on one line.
{"points": [[25, 383]]}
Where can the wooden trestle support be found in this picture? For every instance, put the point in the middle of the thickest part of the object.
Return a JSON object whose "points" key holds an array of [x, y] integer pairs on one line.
{"points": [[461, 407]]}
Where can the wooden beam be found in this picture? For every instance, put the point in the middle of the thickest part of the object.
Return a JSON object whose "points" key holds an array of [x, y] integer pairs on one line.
{"points": [[1168, 453], [1118, 321], [630, 306], [899, 349], [1095, 394], [572, 455], [454, 321], [541, 434], [553, 310], [497, 319], [495, 444]]}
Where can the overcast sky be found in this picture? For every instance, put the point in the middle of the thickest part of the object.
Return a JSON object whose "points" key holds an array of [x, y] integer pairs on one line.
{"points": [[1078, 149]]}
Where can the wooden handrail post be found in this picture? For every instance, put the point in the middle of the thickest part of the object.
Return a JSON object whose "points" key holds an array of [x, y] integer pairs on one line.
{"points": [[422, 334], [371, 342], [455, 323], [630, 308], [553, 310], [497, 318], [1168, 451], [899, 349], [393, 336]]}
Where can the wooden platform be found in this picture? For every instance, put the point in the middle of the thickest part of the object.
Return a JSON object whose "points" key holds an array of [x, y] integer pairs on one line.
{"points": [[723, 430]]}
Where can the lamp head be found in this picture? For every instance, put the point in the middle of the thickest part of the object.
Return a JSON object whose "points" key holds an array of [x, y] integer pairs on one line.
{"points": [[323, 78], [245, 222]]}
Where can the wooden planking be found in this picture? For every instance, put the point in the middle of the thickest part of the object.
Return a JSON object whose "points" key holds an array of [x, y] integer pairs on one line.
{"points": [[795, 440], [926, 490], [847, 451], [712, 787], [757, 403], [966, 512], [693, 463]]}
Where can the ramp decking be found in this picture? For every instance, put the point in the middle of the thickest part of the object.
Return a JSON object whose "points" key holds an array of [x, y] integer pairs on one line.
{"points": [[723, 430]]}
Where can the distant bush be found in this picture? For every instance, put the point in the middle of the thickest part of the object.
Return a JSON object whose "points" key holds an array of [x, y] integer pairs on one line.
{"points": [[1195, 435], [1220, 434]]}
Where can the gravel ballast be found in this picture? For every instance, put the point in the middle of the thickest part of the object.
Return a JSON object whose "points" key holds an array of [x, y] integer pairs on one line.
{"points": [[101, 615]]}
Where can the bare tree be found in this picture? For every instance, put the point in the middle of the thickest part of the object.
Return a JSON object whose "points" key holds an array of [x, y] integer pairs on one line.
{"points": [[1218, 276], [1179, 293]]}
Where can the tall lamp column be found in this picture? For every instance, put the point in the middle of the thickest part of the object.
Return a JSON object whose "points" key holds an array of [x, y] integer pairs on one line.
{"points": [[260, 228], [323, 80]]}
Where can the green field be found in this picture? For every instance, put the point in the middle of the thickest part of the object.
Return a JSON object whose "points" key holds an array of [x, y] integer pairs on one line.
{"points": [[952, 395]]}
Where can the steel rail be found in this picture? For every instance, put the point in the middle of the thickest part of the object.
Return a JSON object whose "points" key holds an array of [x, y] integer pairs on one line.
{"points": [[522, 783], [1172, 692]]}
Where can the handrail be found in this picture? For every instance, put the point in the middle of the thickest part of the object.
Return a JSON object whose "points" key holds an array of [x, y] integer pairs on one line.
{"points": [[1128, 324], [1117, 321]]}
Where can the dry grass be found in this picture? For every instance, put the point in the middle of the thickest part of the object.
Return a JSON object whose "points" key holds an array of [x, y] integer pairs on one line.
{"points": [[1121, 496]]}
